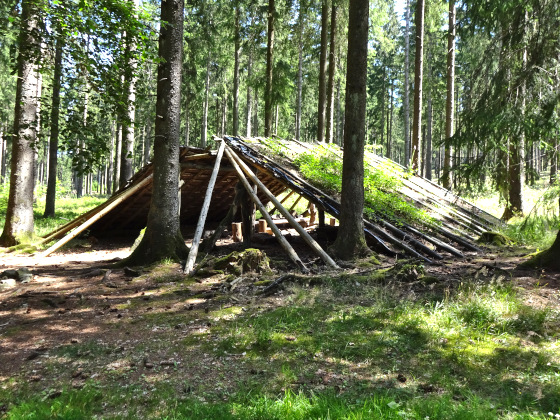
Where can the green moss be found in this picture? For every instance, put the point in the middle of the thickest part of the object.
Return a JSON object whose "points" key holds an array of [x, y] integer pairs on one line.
{"points": [[323, 168], [249, 260], [494, 238]]}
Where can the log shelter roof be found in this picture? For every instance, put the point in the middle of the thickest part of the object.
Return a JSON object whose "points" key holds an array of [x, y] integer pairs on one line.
{"points": [[463, 221]]}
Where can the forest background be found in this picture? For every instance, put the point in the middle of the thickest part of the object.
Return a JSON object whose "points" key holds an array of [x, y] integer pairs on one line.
{"points": [[489, 82]]}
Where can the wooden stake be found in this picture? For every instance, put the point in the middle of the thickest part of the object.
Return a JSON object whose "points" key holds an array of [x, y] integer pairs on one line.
{"points": [[283, 242], [302, 232], [204, 212], [123, 196], [237, 232]]}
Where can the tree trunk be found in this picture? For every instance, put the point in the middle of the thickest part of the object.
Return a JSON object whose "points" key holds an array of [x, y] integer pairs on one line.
{"points": [[406, 104], [53, 145], [162, 238], [204, 133], [300, 71], [3, 144], [549, 259], [418, 80], [269, 64], [147, 144], [249, 81], [187, 125], [109, 174], [516, 173], [127, 152], [339, 129], [450, 102], [19, 213], [350, 241], [321, 109], [330, 84], [117, 164], [554, 161], [390, 131], [236, 74], [382, 106], [428, 160]]}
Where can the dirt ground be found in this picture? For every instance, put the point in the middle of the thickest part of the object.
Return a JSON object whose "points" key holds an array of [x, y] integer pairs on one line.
{"points": [[73, 299]]}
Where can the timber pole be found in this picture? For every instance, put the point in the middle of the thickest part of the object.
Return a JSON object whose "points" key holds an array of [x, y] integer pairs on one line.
{"points": [[283, 241], [302, 232], [204, 212]]}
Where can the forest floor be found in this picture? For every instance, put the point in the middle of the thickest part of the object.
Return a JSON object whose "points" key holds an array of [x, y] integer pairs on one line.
{"points": [[466, 338]]}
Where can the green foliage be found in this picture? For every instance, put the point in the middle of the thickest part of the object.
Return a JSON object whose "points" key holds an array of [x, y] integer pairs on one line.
{"points": [[382, 197]]}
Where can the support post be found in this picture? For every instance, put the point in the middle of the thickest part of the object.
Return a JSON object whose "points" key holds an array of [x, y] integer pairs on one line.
{"points": [[204, 212]]}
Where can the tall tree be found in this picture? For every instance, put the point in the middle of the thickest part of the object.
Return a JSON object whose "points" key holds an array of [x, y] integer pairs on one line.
{"points": [[53, 145], [301, 17], [450, 103], [236, 73], [332, 69], [418, 80], [162, 238], [350, 241], [19, 214], [268, 104], [127, 152], [322, 104], [406, 100]]}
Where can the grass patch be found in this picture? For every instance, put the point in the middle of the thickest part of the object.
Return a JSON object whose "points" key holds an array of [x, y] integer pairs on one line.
{"points": [[67, 209], [382, 198]]}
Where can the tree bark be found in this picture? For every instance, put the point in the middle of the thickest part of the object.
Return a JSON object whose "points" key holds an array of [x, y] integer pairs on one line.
{"points": [[554, 161], [390, 130], [321, 108], [450, 103], [249, 115], [418, 80], [300, 71], [428, 160], [127, 152], [53, 145], [204, 133], [162, 238], [109, 174], [350, 241], [406, 104], [117, 164], [236, 74], [19, 213], [3, 154], [269, 64], [330, 84], [516, 170]]}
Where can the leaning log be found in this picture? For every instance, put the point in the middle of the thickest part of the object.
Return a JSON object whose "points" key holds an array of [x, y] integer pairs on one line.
{"points": [[193, 252], [125, 194], [283, 241], [300, 230]]}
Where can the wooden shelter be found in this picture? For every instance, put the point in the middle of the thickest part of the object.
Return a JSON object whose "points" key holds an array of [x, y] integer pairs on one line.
{"points": [[126, 211]]}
